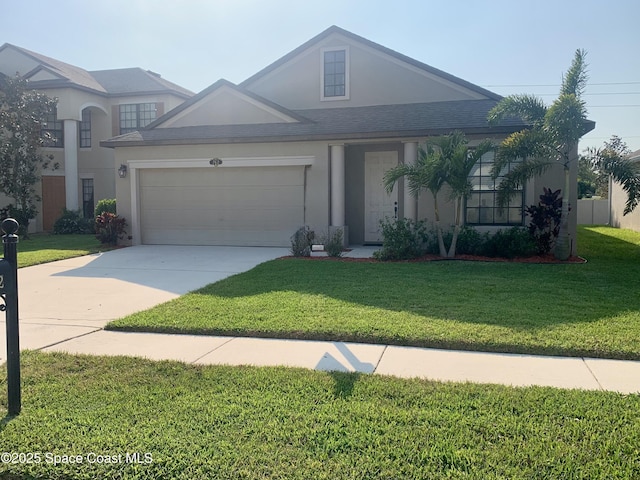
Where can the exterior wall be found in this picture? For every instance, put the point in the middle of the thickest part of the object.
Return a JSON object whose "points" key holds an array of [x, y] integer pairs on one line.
{"points": [[375, 78], [618, 219], [317, 175]]}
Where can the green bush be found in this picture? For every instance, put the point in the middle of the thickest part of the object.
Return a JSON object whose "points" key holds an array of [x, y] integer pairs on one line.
{"points": [[21, 215], [301, 242], [402, 239], [510, 243], [107, 205], [109, 228], [334, 243], [72, 222]]}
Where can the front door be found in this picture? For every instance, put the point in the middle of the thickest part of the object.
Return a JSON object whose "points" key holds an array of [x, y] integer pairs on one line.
{"points": [[378, 204], [53, 200]]}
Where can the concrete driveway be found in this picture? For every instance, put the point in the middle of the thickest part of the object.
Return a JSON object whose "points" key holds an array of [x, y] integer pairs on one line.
{"points": [[74, 297]]}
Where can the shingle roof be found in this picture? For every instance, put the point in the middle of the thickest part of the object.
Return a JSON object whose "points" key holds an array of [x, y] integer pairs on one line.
{"points": [[381, 121], [136, 80]]}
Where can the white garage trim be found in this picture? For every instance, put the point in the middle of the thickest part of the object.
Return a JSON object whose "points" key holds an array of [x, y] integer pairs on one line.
{"points": [[135, 165]]}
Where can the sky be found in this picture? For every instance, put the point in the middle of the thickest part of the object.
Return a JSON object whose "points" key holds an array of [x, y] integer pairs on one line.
{"points": [[506, 46]]}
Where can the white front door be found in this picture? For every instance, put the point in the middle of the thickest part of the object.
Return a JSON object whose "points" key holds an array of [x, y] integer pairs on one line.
{"points": [[378, 204]]}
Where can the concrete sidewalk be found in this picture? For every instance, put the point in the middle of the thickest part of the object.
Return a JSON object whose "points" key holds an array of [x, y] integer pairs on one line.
{"points": [[406, 362]]}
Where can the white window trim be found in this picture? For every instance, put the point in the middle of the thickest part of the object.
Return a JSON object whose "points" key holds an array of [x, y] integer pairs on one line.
{"points": [[347, 75]]}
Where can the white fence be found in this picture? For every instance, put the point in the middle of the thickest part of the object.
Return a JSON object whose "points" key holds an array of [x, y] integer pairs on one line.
{"points": [[593, 211]]}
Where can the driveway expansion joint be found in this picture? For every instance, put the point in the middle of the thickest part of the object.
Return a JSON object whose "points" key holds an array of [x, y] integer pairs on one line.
{"points": [[213, 350], [584, 360]]}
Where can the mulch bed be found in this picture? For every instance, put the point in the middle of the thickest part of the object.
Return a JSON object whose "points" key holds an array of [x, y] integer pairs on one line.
{"points": [[546, 259]]}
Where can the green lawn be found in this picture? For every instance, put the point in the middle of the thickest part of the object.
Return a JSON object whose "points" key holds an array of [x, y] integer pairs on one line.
{"points": [[43, 248], [588, 309], [277, 423]]}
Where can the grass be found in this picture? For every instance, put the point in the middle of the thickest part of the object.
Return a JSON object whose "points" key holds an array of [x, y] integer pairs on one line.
{"points": [[256, 423], [588, 309], [43, 248]]}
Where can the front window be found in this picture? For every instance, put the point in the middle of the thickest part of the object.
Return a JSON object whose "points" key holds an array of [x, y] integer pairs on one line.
{"points": [[55, 129], [85, 129], [136, 116], [335, 72], [87, 197], [482, 207]]}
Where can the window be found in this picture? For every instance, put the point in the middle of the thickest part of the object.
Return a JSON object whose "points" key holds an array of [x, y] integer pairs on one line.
{"points": [[55, 129], [87, 197], [136, 116], [335, 74], [85, 129], [482, 208]]}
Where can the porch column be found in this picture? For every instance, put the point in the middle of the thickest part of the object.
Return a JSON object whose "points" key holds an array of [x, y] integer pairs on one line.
{"points": [[410, 202], [337, 186], [71, 164]]}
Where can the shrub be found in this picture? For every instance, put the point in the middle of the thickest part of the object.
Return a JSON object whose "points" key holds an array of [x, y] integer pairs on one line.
{"points": [[545, 220], [509, 243], [402, 239], [105, 205], [109, 228], [333, 244], [72, 222], [22, 215], [301, 242]]}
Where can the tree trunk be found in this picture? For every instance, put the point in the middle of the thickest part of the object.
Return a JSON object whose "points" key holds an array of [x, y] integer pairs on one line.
{"points": [[456, 230], [562, 250], [443, 250]]}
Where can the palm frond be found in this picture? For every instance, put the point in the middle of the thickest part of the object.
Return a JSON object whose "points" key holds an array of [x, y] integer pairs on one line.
{"points": [[521, 145], [565, 119], [527, 107], [575, 80], [519, 175]]}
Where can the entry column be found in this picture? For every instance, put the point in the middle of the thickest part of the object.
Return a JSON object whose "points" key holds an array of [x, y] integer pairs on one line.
{"points": [[338, 192], [71, 164], [410, 202]]}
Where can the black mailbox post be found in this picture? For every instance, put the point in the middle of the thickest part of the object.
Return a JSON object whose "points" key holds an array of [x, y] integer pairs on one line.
{"points": [[9, 295]]}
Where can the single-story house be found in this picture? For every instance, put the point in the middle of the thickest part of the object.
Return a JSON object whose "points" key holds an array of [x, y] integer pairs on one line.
{"points": [[92, 106], [306, 141], [618, 199]]}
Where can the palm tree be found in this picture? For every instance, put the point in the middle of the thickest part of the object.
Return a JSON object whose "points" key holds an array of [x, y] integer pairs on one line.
{"points": [[446, 159], [613, 160], [552, 139]]}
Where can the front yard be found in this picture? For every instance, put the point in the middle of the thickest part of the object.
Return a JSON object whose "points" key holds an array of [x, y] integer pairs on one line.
{"points": [[43, 248], [188, 422], [590, 309]]}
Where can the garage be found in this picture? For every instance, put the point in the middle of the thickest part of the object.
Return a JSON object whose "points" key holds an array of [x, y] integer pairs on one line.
{"points": [[247, 206]]}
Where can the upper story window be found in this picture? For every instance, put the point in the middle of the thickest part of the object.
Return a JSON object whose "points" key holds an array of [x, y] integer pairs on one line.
{"points": [[55, 129], [85, 129], [335, 74], [135, 116], [482, 207]]}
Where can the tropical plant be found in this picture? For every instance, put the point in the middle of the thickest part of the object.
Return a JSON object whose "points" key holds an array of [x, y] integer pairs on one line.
{"points": [[110, 228], [612, 160], [544, 226], [402, 239], [551, 139], [22, 115], [301, 242], [447, 159]]}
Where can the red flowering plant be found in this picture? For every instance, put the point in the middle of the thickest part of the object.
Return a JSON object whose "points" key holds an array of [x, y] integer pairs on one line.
{"points": [[110, 228]]}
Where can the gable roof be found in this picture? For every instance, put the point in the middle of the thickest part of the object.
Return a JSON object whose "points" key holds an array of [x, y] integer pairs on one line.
{"points": [[216, 86], [337, 30], [125, 81], [353, 123], [69, 75]]}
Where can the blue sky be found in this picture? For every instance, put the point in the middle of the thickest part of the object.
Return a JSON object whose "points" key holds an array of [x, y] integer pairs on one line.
{"points": [[494, 44]]}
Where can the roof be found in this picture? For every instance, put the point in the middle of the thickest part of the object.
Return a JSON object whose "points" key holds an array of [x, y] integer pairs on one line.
{"points": [[125, 81], [343, 123], [337, 30], [130, 81]]}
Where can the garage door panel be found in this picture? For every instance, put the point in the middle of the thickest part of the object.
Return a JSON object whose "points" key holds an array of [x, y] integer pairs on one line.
{"points": [[225, 206]]}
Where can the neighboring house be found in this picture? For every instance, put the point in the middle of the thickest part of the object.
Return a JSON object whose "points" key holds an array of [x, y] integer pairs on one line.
{"points": [[306, 141], [92, 106], [618, 198]]}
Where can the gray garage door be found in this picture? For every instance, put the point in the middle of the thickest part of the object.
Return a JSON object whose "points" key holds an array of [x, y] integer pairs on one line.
{"points": [[250, 206]]}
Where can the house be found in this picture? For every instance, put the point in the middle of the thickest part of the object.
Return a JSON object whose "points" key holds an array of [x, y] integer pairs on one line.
{"points": [[92, 106], [306, 141], [618, 199]]}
